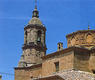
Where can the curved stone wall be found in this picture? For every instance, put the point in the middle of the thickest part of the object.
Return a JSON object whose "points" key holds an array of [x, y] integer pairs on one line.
{"points": [[83, 38]]}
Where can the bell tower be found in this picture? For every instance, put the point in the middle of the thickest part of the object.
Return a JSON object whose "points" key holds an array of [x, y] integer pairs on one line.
{"points": [[34, 41]]}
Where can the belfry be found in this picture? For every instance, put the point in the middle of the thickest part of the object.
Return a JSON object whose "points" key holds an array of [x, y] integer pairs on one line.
{"points": [[34, 41]]}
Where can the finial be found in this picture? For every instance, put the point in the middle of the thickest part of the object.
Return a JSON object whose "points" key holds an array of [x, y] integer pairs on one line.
{"points": [[35, 12], [35, 4], [88, 27]]}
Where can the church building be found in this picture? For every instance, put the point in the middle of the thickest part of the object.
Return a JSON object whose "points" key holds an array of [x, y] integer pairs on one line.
{"points": [[76, 62]]}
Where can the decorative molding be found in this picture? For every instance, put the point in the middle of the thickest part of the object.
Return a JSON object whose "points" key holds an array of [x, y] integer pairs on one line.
{"points": [[65, 51], [81, 31], [35, 26], [31, 67], [32, 45]]}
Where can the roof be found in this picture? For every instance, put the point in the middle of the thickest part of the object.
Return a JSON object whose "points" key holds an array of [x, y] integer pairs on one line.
{"points": [[76, 75], [80, 31], [53, 77], [35, 20], [64, 51], [70, 75]]}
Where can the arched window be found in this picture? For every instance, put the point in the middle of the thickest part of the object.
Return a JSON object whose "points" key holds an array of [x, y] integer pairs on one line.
{"points": [[39, 36], [25, 36], [26, 33]]}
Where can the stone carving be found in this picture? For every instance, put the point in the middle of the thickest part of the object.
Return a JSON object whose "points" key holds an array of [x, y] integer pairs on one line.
{"points": [[89, 38], [73, 41], [82, 38]]}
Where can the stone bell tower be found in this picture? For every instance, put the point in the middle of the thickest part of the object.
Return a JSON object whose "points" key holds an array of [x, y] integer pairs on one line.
{"points": [[34, 41]]}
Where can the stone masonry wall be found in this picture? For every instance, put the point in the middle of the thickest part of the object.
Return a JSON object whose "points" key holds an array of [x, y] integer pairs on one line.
{"points": [[35, 73], [81, 38], [92, 62], [27, 74], [65, 62], [22, 74], [81, 61]]}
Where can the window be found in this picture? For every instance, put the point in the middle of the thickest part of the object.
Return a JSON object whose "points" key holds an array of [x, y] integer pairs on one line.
{"points": [[26, 33], [39, 36], [57, 66], [59, 46], [25, 36]]}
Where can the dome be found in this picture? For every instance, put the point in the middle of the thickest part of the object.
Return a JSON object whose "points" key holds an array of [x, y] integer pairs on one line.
{"points": [[35, 17], [35, 20], [82, 38]]}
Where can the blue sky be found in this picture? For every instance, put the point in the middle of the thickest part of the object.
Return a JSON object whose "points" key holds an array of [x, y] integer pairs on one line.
{"points": [[60, 17]]}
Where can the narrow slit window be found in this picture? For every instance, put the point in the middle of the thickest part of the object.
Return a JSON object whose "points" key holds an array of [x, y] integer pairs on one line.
{"points": [[26, 36]]}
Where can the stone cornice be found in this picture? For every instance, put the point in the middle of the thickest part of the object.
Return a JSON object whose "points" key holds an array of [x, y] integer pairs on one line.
{"points": [[80, 31], [64, 51], [35, 26], [37, 47], [31, 67]]}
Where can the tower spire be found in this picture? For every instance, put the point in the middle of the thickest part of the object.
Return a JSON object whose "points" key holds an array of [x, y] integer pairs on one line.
{"points": [[35, 4], [35, 12]]}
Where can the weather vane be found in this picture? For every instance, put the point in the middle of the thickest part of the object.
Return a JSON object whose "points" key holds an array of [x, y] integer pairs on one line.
{"points": [[88, 27]]}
